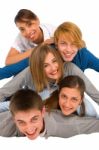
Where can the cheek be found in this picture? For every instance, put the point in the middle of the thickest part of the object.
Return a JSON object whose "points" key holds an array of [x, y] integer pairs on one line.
{"points": [[21, 128], [46, 71]]}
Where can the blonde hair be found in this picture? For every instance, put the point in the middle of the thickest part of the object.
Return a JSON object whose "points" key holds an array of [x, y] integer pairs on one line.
{"points": [[71, 31], [37, 58]]}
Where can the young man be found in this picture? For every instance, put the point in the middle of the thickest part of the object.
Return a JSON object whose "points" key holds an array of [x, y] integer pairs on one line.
{"points": [[31, 34], [31, 120]]}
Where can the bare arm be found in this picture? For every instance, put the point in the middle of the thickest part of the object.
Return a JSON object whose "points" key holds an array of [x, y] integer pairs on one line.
{"points": [[15, 56]]}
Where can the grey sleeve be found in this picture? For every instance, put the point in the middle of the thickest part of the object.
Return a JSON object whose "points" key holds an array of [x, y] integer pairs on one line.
{"points": [[72, 69], [59, 125], [14, 84], [7, 126]]}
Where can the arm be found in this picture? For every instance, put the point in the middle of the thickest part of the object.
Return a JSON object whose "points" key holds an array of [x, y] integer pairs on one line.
{"points": [[91, 60], [15, 56], [7, 126], [15, 84], [71, 69], [13, 69], [59, 125], [85, 59]]}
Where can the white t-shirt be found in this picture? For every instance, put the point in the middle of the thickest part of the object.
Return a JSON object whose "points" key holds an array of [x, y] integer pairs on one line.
{"points": [[22, 44]]}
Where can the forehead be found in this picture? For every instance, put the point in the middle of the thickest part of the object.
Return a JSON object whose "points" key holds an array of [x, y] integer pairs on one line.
{"points": [[49, 56], [65, 36], [70, 91], [25, 22], [27, 115]]}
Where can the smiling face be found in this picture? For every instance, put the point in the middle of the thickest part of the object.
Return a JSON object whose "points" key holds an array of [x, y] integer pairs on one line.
{"points": [[69, 100], [30, 122], [31, 30], [67, 48], [51, 67]]}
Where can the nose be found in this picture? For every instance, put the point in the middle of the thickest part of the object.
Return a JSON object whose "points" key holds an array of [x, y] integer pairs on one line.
{"points": [[67, 103], [28, 31], [53, 67], [68, 48], [30, 128]]}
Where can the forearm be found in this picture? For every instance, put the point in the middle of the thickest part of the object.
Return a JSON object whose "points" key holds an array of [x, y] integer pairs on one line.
{"points": [[11, 59], [13, 85]]}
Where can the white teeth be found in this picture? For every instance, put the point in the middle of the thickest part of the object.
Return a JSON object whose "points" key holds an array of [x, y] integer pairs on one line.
{"points": [[32, 34], [68, 54], [54, 73]]}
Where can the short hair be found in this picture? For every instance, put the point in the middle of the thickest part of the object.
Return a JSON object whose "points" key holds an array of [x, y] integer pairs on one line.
{"points": [[24, 100], [25, 15], [71, 31], [37, 58]]}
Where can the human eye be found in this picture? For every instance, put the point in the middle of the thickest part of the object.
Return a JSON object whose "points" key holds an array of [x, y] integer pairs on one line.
{"points": [[74, 99], [45, 65], [29, 24], [73, 44], [35, 119], [63, 43], [22, 30], [21, 123], [63, 96], [54, 60]]}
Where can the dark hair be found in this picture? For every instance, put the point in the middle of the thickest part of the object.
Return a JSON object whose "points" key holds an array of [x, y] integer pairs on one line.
{"points": [[24, 100], [25, 15], [71, 81]]}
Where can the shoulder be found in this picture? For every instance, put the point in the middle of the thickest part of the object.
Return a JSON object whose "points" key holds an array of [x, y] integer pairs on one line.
{"points": [[84, 51], [69, 66], [49, 27]]}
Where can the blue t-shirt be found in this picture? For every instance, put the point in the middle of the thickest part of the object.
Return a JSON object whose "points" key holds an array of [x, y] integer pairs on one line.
{"points": [[85, 59]]}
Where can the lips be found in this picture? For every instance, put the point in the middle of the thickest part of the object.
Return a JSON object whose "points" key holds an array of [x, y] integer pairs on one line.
{"points": [[32, 34], [32, 133]]}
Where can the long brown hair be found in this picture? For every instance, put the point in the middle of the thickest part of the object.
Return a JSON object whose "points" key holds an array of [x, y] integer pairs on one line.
{"points": [[37, 58]]}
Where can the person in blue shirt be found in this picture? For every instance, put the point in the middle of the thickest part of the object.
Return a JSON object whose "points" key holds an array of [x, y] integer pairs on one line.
{"points": [[31, 34], [69, 42]]}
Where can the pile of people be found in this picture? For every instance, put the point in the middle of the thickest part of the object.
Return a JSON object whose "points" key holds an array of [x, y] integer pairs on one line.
{"points": [[46, 96]]}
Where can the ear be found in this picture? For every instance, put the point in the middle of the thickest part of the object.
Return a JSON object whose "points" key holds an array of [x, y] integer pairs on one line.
{"points": [[43, 111], [82, 98]]}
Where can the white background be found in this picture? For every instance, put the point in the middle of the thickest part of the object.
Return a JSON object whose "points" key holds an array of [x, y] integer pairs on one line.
{"points": [[85, 13], [82, 12]]}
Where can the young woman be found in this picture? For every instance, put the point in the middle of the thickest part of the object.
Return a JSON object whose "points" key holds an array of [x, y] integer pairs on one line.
{"points": [[45, 71], [31, 34], [69, 98], [69, 42]]}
